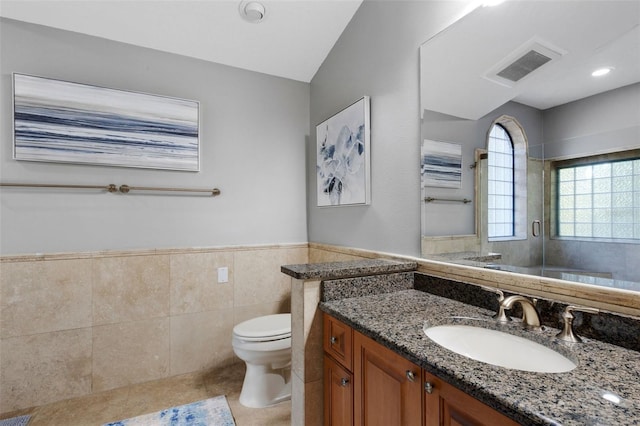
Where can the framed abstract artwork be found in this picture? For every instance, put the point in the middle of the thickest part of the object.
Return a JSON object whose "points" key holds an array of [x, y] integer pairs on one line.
{"points": [[343, 159], [441, 164], [60, 121]]}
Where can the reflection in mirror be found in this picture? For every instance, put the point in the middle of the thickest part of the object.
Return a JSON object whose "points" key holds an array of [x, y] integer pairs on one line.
{"points": [[555, 187]]}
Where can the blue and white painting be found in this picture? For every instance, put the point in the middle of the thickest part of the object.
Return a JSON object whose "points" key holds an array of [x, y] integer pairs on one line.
{"points": [[60, 121], [342, 168], [441, 164]]}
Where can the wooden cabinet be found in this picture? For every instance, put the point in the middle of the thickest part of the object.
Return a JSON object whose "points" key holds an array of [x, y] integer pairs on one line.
{"points": [[387, 387], [446, 405], [368, 384], [338, 394], [337, 340], [338, 380]]}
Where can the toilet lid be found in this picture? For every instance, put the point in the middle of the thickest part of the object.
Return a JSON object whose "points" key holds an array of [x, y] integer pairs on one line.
{"points": [[278, 325]]}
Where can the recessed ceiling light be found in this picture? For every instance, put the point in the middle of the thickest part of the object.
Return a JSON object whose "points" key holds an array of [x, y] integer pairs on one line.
{"points": [[252, 11], [601, 71]]}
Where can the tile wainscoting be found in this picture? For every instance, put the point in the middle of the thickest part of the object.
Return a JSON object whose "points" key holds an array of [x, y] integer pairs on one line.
{"points": [[74, 324]]}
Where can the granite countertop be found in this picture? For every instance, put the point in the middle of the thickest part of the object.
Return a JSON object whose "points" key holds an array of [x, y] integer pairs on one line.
{"points": [[357, 268], [473, 256], [396, 320]]}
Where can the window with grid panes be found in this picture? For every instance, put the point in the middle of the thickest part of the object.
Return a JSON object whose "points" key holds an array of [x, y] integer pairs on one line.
{"points": [[501, 183], [600, 200]]}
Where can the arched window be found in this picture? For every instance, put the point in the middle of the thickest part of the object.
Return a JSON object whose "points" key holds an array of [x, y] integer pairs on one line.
{"points": [[501, 180]]}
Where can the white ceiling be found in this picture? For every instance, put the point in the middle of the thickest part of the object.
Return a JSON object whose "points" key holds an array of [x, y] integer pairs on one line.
{"points": [[291, 42], [297, 35], [455, 64]]}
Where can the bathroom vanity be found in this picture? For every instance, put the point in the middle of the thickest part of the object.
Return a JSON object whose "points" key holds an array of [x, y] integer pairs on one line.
{"points": [[394, 364], [376, 359], [378, 386]]}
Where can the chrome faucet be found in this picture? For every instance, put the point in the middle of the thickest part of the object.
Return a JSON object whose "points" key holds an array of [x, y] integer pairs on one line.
{"points": [[530, 316]]}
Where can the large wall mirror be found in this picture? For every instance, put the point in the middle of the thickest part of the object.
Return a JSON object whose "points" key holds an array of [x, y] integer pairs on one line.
{"points": [[529, 163]]}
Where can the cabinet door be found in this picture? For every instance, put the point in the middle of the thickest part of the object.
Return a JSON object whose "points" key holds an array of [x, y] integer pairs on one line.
{"points": [[387, 387], [338, 394], [337, 340], [446, 405]]}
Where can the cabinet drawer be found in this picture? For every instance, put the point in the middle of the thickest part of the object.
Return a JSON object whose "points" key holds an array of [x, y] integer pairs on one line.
{"points": [[447, 405], [337, 341]]}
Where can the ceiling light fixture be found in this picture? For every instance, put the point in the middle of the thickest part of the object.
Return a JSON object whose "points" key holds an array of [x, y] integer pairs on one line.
{"points": [[601, 71], [252, 11]]}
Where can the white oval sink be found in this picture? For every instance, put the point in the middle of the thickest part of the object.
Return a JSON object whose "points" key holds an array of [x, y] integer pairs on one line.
{"points": [[498, 348]]}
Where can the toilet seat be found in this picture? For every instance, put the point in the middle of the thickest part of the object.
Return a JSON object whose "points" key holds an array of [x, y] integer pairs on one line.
{"points": [[264, 329]]}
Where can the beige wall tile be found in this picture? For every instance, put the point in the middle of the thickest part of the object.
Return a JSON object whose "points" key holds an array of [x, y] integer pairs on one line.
{"points": [[297, 400], [129, 298], [201, 341], [313, 358], [43, 368], [194, 282], [297, 328], [306, 330], [44, 296], [321, 256], [306, 402], [297, 255], [258, 278], [128, 353], [130, 288]]}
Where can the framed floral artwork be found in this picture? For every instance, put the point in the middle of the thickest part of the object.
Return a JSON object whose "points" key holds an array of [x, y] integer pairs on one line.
{"points": [[343, 167]]}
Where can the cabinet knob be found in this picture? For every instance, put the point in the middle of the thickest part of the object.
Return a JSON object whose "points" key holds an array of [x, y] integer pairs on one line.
{"points": [[344, 382], [333, 340], [428, 387], [410, 376]]}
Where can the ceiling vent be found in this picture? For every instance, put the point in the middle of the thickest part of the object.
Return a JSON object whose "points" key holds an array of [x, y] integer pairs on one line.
{"points": [[531, 61], [523, 61]]}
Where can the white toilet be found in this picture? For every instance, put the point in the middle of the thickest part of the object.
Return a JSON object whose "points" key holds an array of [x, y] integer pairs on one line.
{"points": [[264, 344]]}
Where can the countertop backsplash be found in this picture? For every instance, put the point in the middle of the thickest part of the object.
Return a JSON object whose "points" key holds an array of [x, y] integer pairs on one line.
{"points": [[608, 327]]}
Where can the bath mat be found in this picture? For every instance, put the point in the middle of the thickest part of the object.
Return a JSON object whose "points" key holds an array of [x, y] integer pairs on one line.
{"points": [[209, 412], [15, 421]]}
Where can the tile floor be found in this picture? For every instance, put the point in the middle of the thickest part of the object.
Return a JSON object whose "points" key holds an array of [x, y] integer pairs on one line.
{"points": [[134, 400]]}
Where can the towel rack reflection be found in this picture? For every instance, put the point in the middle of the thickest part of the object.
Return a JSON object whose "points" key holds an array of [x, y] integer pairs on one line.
{"points": [[125, 189], [453, 200]]}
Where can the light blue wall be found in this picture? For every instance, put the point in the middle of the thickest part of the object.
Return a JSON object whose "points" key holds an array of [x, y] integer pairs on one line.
{"points": [[254, 129], [598, 124], [377, 55]]}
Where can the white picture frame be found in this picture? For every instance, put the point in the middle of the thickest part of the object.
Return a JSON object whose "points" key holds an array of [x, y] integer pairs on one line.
{"points": [[441, 164], [343, 165], [64, 122]]}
